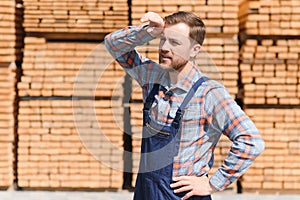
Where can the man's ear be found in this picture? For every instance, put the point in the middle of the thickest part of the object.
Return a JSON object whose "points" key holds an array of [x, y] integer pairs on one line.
{"points": [[195, 50]]}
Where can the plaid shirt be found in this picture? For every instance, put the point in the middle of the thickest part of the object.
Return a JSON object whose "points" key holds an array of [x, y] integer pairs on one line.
{"points": [[211, 113]]}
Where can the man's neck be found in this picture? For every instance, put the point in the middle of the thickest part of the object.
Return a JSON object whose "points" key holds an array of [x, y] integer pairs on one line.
{"points": [[177, 76]]}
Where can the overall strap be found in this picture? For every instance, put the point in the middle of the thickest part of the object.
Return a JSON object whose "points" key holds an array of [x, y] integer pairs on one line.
{"points": [[187, 99], [150, 97]]}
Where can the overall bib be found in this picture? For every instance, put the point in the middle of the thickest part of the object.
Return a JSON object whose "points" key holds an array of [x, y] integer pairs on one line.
{"points": [[160, 144]]}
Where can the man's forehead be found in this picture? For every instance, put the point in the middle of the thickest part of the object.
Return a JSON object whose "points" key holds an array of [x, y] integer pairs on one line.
{"points": [[179, 30], [174, 35]]}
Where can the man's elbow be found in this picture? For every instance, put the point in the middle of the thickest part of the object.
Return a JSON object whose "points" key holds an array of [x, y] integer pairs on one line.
{"points": [[259, 146], [110, 47], [107, 41]]}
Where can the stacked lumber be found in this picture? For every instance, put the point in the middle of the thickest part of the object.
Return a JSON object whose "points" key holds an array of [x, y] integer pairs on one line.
{"points": [[70, 116], [72, 16], [70, 144], [276, 17], [219, 61], [60, 140], [11, 31], [10, 53], [270, 71], [269, 68], [68, 68], [278, 167], [7, 122]]}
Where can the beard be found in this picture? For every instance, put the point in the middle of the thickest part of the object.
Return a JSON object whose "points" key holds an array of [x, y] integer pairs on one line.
{"points": [[176, 63]]}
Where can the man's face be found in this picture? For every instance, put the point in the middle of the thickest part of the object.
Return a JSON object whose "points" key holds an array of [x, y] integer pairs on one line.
{"points": [[175, 47]]}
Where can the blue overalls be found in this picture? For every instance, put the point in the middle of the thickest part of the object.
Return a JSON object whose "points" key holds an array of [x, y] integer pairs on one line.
{"points": [[160, 144]]}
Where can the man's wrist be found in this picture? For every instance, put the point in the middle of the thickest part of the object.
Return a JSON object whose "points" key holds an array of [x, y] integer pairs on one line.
{"points": [[154, 32], [213, 189]]}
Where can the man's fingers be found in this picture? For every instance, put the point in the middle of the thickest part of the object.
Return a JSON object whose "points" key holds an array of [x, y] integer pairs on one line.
{"points": [[154, 19], [184, 189], [144, 18], [147, 17], [179, 183], [187, 195], [180, 178]]}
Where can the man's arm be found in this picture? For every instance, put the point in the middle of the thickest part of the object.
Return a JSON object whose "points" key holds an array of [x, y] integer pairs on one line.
{"points": [[121, 45], [238, 127]]}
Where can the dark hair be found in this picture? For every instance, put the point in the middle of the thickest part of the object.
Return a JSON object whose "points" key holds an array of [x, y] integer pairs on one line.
{"points": [[197, 27]]}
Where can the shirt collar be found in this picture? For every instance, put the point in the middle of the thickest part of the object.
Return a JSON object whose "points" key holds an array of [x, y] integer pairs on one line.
{"points": [[186, 83]]}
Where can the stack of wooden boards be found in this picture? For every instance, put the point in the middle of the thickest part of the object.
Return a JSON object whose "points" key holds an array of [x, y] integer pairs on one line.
{"points": [[10, 54], [69, 144], [270, 75], [7, 122], [70, 111], [68, 69], [264, 17], [270, 71], [73, 16], [11, 31]]}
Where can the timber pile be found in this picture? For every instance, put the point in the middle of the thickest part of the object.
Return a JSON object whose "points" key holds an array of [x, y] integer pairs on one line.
{"points": [[10, 53], [270, 71], [7, 41], [269, 67], [72, 16], [278, 167], [276, 17], [59, 141], [64, 86], [69, 144], [11, 31], [68, 68], [219, 61], [7, 122]]}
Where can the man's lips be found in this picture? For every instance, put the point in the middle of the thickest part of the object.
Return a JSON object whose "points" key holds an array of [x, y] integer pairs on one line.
{"points": [[165, 57]]}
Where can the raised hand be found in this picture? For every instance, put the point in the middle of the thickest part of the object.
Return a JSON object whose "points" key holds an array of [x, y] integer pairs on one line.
{"points": [[156, 23]]}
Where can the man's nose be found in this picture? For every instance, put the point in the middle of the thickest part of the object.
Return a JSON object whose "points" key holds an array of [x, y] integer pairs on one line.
{"points": [[165, 46]]}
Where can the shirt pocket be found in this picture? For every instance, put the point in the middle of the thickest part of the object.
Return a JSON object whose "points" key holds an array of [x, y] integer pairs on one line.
{"points": [[191, 112]]}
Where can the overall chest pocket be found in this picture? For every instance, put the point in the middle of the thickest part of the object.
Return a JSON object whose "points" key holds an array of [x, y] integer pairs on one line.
{"points": [[157, 132], [159, 138]]}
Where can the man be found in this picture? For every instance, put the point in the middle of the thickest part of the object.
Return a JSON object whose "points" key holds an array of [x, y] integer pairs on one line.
{"points": [[184, 112]]}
